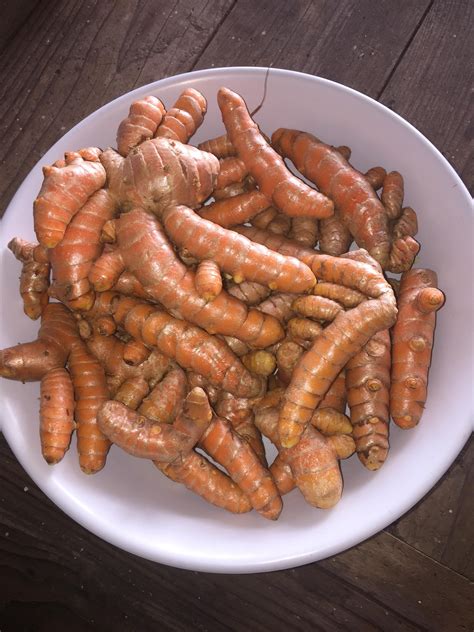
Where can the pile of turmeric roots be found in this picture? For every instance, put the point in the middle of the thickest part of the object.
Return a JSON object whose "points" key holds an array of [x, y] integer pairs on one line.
{"points": [[194, 314]]}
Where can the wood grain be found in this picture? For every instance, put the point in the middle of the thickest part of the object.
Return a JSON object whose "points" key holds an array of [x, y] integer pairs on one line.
{"points": [[354, 42], [432, 85], [69, 58], [440, 525]]}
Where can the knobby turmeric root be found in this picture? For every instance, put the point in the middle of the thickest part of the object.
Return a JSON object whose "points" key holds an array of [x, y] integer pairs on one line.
{"points": [[157, 441], [34, 278], [287, 192], [412, 341], [65, 190], [184, 118], [368, 387], [56, 414], [141, 123]]}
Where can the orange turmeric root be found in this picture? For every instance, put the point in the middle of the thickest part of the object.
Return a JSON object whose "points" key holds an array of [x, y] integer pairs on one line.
{"points": [[403, 253], [249, 292], [183, 119], [72, 259], [141, 123], [65, 190], [132, 392], [406, 224], [279, 306], [234, 253], [30, 361], [392, 194], [166, 399], [336, 395], [375, 177], [148, 254], [56, 414], [191, 347], [90, 392], [231, 171], [34, 278], [337, 343], [334, 237], [412, 341], [354, 198], [244, 467], [305, 230], [208, 280], [235, 210], [368, 387], [159, 173], [313, 461], [157, 441], [238, 411], [200, 476], [286, 191], [317, 307], [330, 421], [287, 355], [343, 295], [303, 329], [219, 146]]}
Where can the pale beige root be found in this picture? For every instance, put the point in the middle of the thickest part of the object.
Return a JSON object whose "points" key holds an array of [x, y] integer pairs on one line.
{"points": [[141, 123], [34, 277], [260, 362], [330, 421], [343, 445], [159, 173], [313, 461], [56, 414]]}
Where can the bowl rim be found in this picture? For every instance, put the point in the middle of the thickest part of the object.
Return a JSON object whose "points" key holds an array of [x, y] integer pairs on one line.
{"points": [[278, 561]]}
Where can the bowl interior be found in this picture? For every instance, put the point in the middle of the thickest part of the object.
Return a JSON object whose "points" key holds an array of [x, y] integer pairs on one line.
{"points": [[129, 503]]}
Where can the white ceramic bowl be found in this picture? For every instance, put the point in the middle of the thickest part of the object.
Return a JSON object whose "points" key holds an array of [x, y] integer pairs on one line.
{"points": [[129, 503]]}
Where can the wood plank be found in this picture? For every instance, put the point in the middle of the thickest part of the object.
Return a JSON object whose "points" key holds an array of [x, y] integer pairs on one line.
{"points": [[354, 42], [428, 593], [431, 87], [14, 14], [50, 561], [440, 525], [69, 58]]}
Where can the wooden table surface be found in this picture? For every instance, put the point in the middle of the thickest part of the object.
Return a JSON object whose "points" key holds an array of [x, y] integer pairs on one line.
{"points": [[60, 60]]}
